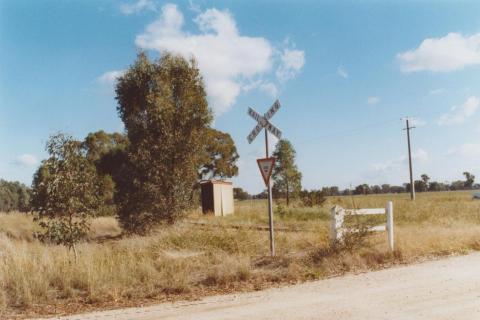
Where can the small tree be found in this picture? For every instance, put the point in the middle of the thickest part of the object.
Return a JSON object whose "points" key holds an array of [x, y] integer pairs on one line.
{"points": [[420, 185], [65, 192], [362, 189], [425, 179], [470, 179], [437, 186], [287, 179], [386, 188], [376, 189], [312, 198]]}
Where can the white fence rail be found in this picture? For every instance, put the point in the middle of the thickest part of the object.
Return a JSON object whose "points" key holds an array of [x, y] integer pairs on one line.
{"points": [[338, 216]]}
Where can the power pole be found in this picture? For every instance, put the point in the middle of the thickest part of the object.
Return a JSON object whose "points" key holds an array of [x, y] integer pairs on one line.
{"points": [[412, 185]]}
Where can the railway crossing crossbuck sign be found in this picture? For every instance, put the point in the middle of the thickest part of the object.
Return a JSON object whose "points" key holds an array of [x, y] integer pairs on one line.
{"points": [[262, 122]]}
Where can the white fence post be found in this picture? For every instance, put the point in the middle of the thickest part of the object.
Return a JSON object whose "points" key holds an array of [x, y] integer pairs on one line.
{"points": [[337, 217], [390, 224], [333, 224]]}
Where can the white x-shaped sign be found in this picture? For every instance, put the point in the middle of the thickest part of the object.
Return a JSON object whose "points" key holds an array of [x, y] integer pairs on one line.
{"points": [[262, 122]]}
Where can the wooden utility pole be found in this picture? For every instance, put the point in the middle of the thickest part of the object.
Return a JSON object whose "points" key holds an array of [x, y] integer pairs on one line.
{"points": [[412, 185]]}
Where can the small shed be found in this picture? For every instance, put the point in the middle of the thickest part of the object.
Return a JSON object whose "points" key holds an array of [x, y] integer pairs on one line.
{"points": [[217, 197]]}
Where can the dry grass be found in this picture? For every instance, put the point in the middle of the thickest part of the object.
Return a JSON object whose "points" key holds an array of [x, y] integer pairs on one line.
{"points": [[189, 261]]}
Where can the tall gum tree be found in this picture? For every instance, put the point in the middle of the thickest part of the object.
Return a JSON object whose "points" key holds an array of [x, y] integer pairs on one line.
{"points": [[164, 108]]}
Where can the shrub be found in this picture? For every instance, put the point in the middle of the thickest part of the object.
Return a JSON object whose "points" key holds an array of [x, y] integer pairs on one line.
{"points": [[312, 198], [68, 193]]}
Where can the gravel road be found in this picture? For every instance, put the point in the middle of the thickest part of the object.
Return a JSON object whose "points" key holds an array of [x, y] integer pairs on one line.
{"points": [[437, 290]]}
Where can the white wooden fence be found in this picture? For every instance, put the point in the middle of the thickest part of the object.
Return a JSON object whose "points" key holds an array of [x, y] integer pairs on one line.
{"points": [[338, 216]]}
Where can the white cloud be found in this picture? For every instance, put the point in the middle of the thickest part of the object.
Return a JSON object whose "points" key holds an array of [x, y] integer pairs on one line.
{"points": [[373, 100], [265, 86], [467, 150], [228, 60], [270, 89], [451, 52], [140, 5], [110, 77], [459, 114], [342, 72], [384, 166], [420, 155], [26, 160], [292, 61], [396, 170]]}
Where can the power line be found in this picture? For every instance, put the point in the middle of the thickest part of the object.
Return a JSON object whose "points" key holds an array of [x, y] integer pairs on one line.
{"points": [[353, 131], [345, 133]]}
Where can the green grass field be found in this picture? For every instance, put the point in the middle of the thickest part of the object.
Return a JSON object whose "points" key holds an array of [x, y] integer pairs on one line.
{"points": [[204, 255]]}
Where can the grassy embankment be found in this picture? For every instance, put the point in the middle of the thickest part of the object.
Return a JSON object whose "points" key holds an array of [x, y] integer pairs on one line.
{"points": [[190, 261]]}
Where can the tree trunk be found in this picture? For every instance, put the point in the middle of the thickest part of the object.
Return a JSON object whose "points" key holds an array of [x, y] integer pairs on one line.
{"points": [[75, 251], [288, 194]]}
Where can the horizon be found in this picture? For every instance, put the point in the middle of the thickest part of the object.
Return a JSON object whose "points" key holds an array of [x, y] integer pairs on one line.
{"points": [[343, 73]]}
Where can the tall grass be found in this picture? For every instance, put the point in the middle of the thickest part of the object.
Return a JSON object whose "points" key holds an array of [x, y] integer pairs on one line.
{"points": [[188, 260]]}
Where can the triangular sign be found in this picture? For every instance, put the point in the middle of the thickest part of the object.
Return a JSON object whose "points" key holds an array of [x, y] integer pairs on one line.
{"points": [[266, 168]]}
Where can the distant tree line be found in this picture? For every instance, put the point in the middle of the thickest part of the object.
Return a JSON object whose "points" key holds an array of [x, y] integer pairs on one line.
{"points": [[422, 185], [14, 196]]}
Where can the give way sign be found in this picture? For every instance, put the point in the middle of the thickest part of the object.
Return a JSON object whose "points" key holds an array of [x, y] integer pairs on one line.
{"points": [[266, 168]]}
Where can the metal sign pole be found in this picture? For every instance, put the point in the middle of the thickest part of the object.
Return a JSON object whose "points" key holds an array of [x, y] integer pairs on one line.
{"points": [[270, 210], [266, 165]]}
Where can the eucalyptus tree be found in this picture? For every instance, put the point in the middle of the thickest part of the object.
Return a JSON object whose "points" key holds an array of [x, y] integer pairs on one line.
{"points": [[164, 108], [287, 179]]}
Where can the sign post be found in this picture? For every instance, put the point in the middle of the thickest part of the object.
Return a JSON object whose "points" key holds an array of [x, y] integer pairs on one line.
{"points": [[266, 164]]}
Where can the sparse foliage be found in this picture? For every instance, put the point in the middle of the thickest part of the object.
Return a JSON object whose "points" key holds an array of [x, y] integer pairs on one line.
{"points": [[312, 198], [287, 179], [425, 179], [469, 180], [65, 192]]}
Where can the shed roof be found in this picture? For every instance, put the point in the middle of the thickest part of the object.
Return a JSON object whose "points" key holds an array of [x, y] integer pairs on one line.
{"points": [[216, 182]]}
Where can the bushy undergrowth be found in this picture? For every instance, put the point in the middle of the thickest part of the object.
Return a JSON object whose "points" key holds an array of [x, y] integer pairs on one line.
{"points": [[188, 260]]}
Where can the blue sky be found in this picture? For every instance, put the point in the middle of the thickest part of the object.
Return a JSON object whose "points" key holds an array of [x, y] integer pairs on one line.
{"points": [[344, 72]]}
